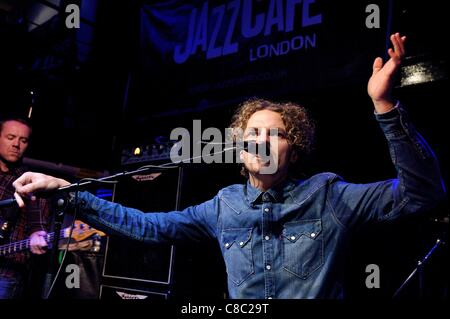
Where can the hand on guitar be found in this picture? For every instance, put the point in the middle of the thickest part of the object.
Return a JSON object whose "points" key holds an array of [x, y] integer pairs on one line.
{"points": [[38, 242]]}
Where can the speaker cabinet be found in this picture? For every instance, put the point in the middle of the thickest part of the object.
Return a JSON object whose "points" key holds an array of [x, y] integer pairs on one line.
{"points": [[131, 264]]}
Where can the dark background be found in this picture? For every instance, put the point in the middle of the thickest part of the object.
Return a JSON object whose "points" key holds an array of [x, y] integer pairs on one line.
{"points": [[95, 94]]}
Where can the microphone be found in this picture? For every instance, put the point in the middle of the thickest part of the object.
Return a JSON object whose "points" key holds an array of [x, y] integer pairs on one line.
{"points": [[262, 149], [7, 202]]}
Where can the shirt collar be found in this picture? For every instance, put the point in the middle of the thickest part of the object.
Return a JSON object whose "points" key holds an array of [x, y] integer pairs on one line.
{"points": [[274, 194]]}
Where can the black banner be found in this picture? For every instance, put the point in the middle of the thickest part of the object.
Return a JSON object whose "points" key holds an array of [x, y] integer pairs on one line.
{"points": [[199, 54]]}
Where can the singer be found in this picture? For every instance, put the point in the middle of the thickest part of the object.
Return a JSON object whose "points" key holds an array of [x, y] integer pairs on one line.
{"points": [[282, 237]]}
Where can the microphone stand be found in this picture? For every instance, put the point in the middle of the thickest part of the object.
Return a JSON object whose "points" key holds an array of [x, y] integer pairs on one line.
{"points": [[144, 169], [58, 220], [419, 269]]}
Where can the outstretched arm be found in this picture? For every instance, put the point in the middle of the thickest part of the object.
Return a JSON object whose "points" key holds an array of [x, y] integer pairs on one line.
{"points": [[381, 82], [418, 186]]}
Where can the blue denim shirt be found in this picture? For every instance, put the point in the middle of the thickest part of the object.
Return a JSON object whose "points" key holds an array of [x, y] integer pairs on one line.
{"points": [[288, 242]]}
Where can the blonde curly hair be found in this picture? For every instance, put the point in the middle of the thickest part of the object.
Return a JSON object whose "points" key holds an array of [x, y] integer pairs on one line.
{"points": [[300, 128]]}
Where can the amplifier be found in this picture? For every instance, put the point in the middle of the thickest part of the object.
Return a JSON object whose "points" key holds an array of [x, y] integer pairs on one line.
{"points": [[130, 263], [146, 153]]}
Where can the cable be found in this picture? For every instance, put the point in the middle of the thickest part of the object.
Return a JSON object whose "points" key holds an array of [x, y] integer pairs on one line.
{"points": [[67, 245], [96, 180], [200, 156]]}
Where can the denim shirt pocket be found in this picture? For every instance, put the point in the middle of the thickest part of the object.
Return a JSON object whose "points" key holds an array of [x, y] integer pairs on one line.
{"points": [[237, 252], [302, 247]]}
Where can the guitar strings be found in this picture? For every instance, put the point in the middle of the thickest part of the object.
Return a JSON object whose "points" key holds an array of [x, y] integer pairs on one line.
{"points": [[22, 244]]}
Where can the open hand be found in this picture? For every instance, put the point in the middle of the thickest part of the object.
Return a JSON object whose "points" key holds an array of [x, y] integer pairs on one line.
{"points": [[380, 83]]}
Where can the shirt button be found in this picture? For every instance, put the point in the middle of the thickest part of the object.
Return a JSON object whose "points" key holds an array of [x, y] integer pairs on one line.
{"points": [[268, 267], [313, 234], [292, 237], [266, 209], [267, 238], [269, 297], [227, 245], [241, 243]]}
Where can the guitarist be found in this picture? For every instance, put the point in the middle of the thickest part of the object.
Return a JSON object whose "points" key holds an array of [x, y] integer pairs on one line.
{"points": [[17, 224]]}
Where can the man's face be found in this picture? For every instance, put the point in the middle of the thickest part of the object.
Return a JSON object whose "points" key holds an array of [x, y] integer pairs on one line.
{"points": [[14, 138], [267, 126]]}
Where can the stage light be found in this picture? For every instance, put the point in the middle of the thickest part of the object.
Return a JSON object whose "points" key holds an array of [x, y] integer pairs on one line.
{"points": [[137, 151]]}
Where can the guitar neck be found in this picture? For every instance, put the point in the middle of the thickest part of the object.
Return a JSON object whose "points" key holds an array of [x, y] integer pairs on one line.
{"points": [[18, 246]]}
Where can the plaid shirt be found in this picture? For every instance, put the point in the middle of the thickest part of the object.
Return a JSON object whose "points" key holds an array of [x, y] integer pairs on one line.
{"points": [[24, 221]]}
